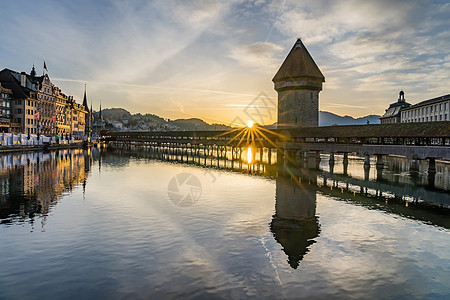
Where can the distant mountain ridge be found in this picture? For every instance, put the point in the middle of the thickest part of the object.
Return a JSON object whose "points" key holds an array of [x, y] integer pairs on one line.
{"points": [[122, 120], [329, 119]]}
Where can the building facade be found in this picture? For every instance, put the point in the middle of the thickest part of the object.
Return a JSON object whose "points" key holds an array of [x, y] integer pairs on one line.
{"points": [[47, 95], [23, 99], [298, 83], [432, 110], [79, 116], [5, 109], [40, 107]]}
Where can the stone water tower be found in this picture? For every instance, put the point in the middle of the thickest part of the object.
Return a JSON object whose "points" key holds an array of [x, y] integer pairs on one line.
{"points": [[298, 83]]}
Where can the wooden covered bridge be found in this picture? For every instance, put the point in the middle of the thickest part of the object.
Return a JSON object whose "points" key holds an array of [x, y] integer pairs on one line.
{"points": [[417, 141]]}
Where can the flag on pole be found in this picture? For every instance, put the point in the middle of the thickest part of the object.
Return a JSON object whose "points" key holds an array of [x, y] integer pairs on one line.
{"points": [[36, 115], [45, 66]]}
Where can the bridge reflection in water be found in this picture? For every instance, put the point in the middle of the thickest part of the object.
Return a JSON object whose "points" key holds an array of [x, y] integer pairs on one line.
{"points": [[32, 183], [295, 224]]}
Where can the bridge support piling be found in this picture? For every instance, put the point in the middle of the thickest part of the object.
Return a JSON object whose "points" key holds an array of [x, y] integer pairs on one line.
{"points": [[380, 166], [317, 160], [414, 169], [331, 162], [345, 163], [380, 162], [366, 173], [431, 166], [431, 171], [367, 161]]}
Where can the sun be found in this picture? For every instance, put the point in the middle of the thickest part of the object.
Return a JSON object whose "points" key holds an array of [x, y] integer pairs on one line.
{"points": [[250, 124]]}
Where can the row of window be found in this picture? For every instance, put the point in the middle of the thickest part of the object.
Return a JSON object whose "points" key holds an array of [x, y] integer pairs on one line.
{"points": [[443, 117], [31, 121], [44, 97], [433, 109], [4, 104], [29, 111]]}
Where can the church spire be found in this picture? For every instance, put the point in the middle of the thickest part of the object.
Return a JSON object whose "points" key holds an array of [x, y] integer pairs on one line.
{"points": [[85, 104], [33, 73]]}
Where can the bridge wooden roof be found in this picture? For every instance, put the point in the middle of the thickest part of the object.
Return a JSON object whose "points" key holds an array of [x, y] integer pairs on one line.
{"points": [[409, 130], [429, 129]]}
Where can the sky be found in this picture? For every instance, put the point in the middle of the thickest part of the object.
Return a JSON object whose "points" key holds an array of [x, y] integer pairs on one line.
{"points": [[215, 60]]}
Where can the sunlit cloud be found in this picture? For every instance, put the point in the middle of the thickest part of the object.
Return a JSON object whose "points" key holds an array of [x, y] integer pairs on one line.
{"points": [[150, 56]]}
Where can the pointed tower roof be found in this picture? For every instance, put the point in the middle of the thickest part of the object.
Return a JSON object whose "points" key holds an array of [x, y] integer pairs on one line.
{"points": [[298, 63], [85, 105]]}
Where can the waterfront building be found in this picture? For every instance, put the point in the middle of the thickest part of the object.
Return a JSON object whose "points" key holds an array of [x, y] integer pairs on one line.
{"points": [[47, 95], [392, 114], [5, 108], [78, 120], [40, 107], [298, 83], [23, 99], [63, 113], [432, 110]]}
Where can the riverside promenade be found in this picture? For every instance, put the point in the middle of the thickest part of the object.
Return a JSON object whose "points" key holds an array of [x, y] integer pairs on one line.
{"points": [[10, 142]]}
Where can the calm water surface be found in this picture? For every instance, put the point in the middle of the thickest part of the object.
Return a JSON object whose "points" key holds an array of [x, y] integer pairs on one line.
{"points": [[96, 225]]}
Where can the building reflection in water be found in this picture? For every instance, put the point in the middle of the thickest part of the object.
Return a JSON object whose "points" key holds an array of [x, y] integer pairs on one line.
{"points": [[31, 183], [295, 224]]}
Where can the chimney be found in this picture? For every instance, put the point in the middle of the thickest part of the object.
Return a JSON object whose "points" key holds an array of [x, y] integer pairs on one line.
{"points": [[23, 79]]}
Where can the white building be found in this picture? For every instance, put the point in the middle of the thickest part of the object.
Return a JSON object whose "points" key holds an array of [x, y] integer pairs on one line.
{"points": [[432, 110]]}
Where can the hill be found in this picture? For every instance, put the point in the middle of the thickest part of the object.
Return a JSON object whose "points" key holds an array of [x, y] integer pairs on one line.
{"points": [[328, 119], [121, 119]]}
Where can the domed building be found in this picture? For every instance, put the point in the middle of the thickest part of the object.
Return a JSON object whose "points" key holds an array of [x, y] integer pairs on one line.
{"points": [[393, 113]]}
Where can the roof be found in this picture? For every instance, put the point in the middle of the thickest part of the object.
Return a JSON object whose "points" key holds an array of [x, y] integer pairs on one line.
{"points": [[422, 129], [85, 105], [298, 63], [404, 130], [430, 101], [9, 81], [391, 112], [4, 89]]}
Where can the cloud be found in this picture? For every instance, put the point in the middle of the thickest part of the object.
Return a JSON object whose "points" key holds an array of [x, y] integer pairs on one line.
{"points": [[206, 54], [258, 55]]}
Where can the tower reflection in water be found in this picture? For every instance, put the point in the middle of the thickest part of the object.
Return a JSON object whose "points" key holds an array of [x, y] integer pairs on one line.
{"points": [[295, 224]]}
